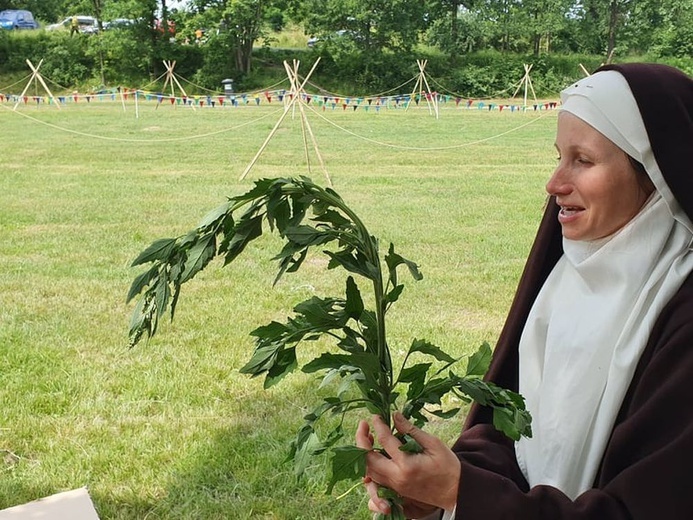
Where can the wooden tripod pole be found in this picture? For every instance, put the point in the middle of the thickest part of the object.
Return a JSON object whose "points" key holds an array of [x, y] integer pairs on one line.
{"points": [[421, 81], [171, 79], [36, 76], [279, 122], [305, 124]]}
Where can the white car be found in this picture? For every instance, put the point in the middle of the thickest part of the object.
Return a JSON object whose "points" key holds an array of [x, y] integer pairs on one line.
{"points": [[87, 24]]}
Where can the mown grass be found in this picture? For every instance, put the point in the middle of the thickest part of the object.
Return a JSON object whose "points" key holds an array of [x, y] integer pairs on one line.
{"points": [[170, 429]]}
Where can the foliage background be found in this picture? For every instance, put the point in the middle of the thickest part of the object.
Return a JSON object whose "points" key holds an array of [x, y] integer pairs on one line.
{"points": [[476, 48]]}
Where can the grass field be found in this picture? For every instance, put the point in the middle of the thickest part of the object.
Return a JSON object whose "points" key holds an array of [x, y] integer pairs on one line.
{"points": [[170, 429]]}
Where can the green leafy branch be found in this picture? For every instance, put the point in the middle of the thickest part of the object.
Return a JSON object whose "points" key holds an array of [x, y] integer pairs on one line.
{"points": [[307, 216]]}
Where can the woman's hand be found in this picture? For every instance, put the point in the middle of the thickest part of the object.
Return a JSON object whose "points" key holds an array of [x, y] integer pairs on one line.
{"points": [[426, 480]]}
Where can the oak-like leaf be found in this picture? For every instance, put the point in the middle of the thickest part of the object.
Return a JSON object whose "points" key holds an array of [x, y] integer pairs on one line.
{"points": [[423, 346], [348, 463], [158, 250], [479, 362]]}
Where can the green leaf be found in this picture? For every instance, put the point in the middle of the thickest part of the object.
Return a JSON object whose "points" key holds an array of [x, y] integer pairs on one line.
{"points": [[270, 331], [348, 381], [443, 414], [278, 211], [305, 447], [393, 295], [261, 188], [509, 413], [511, 423], [416, 377], [307, 235], [423, 346], [198, 257], [289, 261], [353, 263], [476, 389], [142, 281], [335, 218], [393, 260], [348, 463], [158, 250], [245, 231], [323, 314], [213, 216], [479, 362], [354, 303], [263, 359], [350, 341], [161, 296], [284, 363], [435, 389], [327, 361]]}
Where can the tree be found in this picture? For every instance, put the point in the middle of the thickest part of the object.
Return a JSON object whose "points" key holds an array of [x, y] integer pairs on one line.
{"points": [[244, 22], [544, 19], [372, 26], [451, 9], [240, 22]]}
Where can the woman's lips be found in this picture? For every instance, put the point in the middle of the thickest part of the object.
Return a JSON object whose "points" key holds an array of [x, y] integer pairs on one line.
{"points": [[569, 213]]}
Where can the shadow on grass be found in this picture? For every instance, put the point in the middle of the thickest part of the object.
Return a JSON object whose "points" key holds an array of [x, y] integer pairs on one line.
{"points": [[239, 470]]}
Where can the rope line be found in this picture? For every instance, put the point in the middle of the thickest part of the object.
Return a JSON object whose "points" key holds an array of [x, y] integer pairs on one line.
{"points": [[498, 95], [382, 94], [126, 140], [421, 148], [23, 80], [154, 81]]}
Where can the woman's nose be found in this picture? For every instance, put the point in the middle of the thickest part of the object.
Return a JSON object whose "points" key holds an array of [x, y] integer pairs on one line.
{"points": [[558, 182]]}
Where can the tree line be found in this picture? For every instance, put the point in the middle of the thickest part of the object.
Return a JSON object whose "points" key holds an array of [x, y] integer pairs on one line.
{"points": [[366, 34]]}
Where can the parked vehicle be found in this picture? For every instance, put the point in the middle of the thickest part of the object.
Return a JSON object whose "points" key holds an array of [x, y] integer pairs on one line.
{"points": [[86, 24], [119, 23], [17, 19]]}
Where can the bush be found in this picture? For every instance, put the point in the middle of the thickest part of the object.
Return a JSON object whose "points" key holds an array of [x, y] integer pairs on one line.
{"points": [[130, 56]]}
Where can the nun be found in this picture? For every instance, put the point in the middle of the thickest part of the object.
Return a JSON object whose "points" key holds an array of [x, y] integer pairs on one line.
{"points": [[599, 337]]}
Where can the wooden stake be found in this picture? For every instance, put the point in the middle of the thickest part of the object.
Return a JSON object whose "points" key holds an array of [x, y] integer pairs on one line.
{"points": [[419, 86], [170, 79], [36, 75], [295, 95]]}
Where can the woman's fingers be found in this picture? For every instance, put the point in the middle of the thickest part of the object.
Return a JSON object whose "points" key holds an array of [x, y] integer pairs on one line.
{"points": [[405, 427], [388, 441], [375, 504], [364, 439], [392, 444], [430, 477]]}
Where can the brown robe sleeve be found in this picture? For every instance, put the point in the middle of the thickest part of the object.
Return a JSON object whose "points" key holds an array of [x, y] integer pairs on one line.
{"points": [[645, 473]]}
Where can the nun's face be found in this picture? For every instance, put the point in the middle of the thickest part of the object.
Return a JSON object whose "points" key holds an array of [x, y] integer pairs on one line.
{"points": [[595, 184]]}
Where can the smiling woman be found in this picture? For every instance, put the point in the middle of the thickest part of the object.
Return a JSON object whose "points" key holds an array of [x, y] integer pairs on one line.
{"points": [[598, 339], [596, 186]]}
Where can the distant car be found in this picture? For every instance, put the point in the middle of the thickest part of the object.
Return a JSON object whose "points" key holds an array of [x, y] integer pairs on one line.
{"points": [[17, 19], [87, 24], [119, 23], [343, 33]]}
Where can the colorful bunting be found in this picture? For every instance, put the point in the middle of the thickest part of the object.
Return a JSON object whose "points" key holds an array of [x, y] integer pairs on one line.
{"points": [[398, 101]]}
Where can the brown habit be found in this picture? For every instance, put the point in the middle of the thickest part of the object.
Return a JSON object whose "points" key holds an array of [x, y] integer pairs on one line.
{"points": [[647, 468]]}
